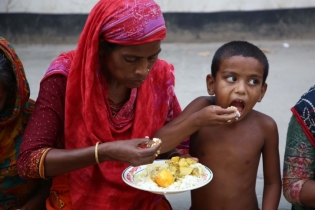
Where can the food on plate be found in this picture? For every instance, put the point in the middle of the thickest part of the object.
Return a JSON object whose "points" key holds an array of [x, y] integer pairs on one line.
{"points": [[176, 173], [236, 110], [164, 178]]}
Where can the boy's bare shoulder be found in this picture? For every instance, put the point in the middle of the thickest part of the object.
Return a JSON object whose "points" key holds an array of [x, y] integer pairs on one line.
{"points": [[264, 119]]}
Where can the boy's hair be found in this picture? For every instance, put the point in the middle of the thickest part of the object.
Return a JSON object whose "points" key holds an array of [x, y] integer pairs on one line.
{"points": [[7, 77], [238, 48]]}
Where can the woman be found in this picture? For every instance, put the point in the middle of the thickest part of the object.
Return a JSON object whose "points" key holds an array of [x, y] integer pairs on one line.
{"points": [[15, 110], [95, 106], [299, 164]]}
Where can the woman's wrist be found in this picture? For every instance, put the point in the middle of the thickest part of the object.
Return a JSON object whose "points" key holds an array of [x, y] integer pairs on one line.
{"points": [[104, 152]]}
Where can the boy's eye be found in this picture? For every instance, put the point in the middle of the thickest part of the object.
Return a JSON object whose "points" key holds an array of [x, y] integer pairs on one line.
{"points": [[253, 81], [231, 79]]}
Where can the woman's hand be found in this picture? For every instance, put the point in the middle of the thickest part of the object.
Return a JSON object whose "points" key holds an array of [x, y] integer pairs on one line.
{"points": [[128, 151]]}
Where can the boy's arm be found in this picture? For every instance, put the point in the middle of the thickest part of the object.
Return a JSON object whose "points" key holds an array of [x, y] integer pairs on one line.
{"points": [[199, 113], [271, 167]]}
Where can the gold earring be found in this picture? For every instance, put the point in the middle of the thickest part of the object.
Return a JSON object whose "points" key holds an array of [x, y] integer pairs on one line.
{"points": [[148, 70]]}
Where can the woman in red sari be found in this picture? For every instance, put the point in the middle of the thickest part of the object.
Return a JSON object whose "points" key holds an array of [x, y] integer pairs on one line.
{"points": [[95, 106]]}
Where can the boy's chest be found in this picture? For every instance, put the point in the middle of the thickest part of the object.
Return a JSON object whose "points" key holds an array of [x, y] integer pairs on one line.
{"points": [[241, 144]]}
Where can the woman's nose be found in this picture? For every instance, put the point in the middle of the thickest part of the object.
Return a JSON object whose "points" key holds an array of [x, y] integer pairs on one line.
{"points": [[143, 68]]}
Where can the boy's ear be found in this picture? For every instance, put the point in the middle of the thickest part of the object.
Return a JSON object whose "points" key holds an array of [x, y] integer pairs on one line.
{"points": [[263, 91], [210, 84]]}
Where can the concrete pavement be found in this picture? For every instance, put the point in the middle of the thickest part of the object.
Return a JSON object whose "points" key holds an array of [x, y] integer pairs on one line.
{"points": [[291, 74]]}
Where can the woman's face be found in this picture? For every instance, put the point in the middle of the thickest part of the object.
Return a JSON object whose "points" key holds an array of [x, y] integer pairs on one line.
{"points": [[3, 96], [129, 65]]}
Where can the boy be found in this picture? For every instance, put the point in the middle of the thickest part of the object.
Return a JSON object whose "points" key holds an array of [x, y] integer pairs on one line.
{"points": [[228, 143]]}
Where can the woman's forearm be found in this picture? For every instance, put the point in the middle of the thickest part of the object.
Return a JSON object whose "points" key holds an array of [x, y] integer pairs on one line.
{"points": [[60, 161]]}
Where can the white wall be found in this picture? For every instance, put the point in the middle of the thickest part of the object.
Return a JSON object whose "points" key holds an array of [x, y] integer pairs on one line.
{"points": [[84, 6]]}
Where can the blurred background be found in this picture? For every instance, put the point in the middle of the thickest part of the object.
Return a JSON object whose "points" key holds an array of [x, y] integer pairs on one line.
{"points": [[59, 21], [284, 30]]}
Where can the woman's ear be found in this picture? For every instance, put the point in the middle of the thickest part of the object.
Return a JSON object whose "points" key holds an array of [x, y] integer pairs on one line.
{"points": [[210, 84]]}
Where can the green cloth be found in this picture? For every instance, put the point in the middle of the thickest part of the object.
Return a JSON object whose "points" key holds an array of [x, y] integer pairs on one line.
{"points": [[296, 138]]}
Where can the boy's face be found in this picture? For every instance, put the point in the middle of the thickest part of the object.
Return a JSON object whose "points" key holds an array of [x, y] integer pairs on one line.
{"points": [[238, 83]]}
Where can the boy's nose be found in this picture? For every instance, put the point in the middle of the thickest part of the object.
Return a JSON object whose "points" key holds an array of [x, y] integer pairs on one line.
{"points": [[240, 88]]}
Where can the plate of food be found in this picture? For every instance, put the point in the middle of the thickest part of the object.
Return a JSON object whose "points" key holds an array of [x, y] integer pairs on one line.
{"points": [[172, 176]]}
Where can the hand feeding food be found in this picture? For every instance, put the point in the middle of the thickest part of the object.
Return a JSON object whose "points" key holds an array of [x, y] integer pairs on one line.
{"points": [[236, 111]]}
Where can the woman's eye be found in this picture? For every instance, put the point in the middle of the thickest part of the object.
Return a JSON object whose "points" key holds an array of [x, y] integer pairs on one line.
{"points": [[231, 79], [131, 59], [153, 58]]}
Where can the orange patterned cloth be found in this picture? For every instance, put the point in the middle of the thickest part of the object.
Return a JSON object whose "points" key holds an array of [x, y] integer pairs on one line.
{"points": [[14, 191]]}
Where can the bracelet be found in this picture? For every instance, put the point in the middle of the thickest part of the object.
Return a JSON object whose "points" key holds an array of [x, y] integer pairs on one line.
{"points": [[96, 153]]}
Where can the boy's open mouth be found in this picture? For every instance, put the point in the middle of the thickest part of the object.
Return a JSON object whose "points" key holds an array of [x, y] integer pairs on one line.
{"points": [[239, 104]]}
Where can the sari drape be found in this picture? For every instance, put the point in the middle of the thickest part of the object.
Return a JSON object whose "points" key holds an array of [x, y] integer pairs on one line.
{"points": [[300, 150], [87, 116], [14, 191]]}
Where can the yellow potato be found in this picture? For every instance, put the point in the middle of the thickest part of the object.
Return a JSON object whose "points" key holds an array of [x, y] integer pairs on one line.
{"points": [[175, 159], [164, 178], [183, 171], [190, 161], [173, 169], [182, 162]]}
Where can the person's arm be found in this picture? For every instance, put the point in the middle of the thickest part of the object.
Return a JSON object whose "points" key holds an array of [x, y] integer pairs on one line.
{"points": [[271, 167], [42, 154], [196, 115], [298, 167]]}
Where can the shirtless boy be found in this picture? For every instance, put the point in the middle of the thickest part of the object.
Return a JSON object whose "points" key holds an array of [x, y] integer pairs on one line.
{"points": [[231, 145]]}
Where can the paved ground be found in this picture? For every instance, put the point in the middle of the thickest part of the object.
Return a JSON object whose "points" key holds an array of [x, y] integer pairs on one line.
{"points": [[291, 74]]}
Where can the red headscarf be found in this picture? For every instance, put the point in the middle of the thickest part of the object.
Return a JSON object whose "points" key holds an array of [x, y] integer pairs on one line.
{"points": [[126, 22]]}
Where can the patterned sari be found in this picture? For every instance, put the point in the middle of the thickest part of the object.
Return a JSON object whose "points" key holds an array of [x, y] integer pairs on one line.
{"points": [[14, 191], [299, 164]]}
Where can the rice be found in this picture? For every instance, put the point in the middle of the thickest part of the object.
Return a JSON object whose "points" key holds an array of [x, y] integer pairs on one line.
{"points": [[146, 178]]}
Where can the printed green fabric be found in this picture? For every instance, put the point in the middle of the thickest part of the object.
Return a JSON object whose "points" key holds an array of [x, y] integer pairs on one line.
{"points": [[299, 164]]}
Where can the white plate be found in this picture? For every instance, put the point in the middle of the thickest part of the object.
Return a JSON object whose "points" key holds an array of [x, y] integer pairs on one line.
{"points": [[129, 172]]}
